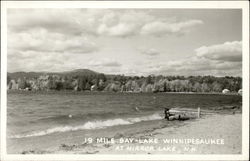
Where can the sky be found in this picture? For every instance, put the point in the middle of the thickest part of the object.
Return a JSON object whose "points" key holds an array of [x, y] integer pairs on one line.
{"points": [[126, 41]]}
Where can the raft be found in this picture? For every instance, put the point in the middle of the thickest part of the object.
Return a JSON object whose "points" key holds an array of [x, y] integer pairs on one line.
{"points": [[183, 114]]}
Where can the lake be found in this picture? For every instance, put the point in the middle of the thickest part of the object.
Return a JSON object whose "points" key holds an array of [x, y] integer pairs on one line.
{"points": [[48, 119]]}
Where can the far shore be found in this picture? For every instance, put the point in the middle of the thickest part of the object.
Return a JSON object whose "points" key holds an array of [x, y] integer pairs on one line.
{"points": [[88, 91]]}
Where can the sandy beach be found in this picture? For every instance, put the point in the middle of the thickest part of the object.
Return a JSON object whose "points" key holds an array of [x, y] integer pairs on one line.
{"points": [[223, 128]]}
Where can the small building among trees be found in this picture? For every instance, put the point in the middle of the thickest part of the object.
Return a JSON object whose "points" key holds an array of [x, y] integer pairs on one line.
{"points": [[94, 87], [225, 91], [240, 92]]}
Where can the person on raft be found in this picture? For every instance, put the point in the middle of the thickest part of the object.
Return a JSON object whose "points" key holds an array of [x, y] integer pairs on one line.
{"points": [[167, 113]]}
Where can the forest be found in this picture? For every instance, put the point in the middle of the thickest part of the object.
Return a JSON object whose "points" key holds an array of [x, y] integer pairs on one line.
{"points": [[87, 80]]}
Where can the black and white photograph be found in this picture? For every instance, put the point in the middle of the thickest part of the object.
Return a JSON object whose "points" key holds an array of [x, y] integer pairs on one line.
{"points": [[124, 81]]}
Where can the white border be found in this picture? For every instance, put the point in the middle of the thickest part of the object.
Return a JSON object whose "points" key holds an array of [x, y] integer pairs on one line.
{"points": [[244, 5]]}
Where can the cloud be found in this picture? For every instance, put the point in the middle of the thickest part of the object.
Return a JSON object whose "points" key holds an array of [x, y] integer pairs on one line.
{"points": [[228, 51], [120, 29], [160, 28], [219, 60], [122, 23], [54, 20], [99, 22], [36, 61], [130, 71], [69, 31], [104, 63], [42, 40], [129, 23], [150, 52], [196, 66]]}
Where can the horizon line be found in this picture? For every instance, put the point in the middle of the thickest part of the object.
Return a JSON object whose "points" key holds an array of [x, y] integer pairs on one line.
{"points": [[134, 75]]}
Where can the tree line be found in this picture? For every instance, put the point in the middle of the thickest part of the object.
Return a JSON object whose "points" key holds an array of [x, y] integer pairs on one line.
{"points": [[121, 83]]}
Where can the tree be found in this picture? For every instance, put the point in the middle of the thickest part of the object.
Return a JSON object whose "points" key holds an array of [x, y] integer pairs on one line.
{"points": [[122, 83], [216, 87], [196, 87], [88, 86], [205, 87], [21, 83], [59, 85], [149, 79]]}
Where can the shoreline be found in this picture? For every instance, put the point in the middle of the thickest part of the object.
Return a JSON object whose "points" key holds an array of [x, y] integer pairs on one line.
{"points": [[128, 92], [223, 127], [230, 133]]}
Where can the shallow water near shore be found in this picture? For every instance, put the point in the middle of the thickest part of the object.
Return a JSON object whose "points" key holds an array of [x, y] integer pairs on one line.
{"points": [[47, 120]]}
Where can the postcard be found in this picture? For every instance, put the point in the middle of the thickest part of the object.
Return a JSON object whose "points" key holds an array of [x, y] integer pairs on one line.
{"points": [[125, 80]]}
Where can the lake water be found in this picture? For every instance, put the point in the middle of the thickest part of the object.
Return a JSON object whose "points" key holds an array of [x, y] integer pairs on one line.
{"points": [[48, 119]]}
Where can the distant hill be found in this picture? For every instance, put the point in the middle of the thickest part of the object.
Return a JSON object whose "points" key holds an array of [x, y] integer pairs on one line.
{"points": [[77, 72], [17, 75]]}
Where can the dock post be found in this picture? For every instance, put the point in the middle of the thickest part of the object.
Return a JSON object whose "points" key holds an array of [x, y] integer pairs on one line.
{"points": [[199, 112]]}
